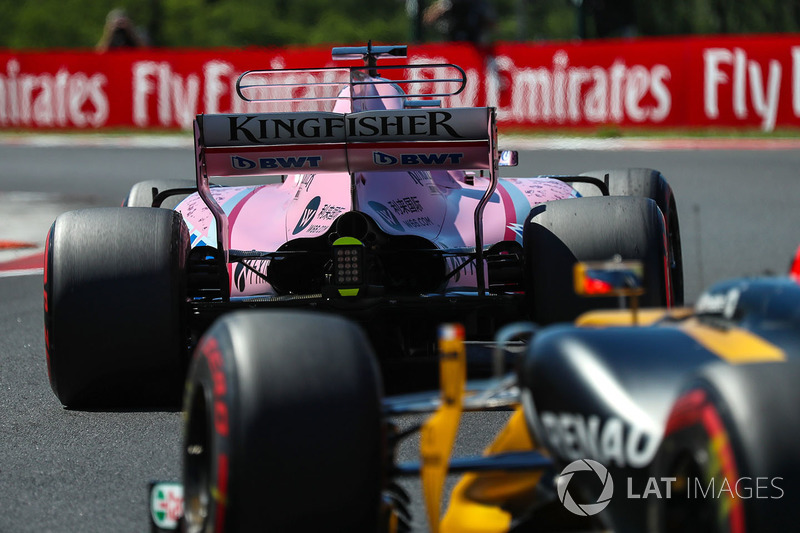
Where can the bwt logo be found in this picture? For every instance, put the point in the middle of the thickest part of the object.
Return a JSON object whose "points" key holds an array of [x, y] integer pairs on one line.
{"points": [[382, 159], [242, 163], [587, 509]]}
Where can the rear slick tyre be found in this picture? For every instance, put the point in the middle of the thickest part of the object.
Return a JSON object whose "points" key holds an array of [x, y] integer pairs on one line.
{"points": [[114, 288], [560, 233], [647, 183], [283, 426]]}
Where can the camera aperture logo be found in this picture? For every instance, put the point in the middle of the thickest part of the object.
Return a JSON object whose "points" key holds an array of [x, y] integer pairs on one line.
{"points": [[586, 509]]}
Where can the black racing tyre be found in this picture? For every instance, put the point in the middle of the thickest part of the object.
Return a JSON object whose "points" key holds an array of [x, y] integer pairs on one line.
{"points": [[560, 233], [283, 426], [646, 183], [143, 193], [733, 431], [114, 289]]}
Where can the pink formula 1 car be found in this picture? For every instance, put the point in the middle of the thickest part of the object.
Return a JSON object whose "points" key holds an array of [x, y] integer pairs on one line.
{"points": [[386, 208]]}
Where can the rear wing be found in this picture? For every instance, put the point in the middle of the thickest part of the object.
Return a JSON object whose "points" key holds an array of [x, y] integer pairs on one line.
{"points": [[319, 142], [418, 137]]}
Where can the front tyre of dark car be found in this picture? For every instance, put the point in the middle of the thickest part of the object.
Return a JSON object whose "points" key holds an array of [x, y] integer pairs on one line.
{"points": [[283, 426], [730, 447]]}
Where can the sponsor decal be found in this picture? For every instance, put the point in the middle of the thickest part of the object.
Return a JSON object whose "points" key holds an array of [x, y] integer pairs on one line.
{"points": [[719, 304], [166, 505], [421, 178], [434, 159], [379, 158], [250, 272], [386, 215], [259, 128], [307, 180], [608, 440], [518, 229], [315, 229], [588, 509], [406, 205], [308, 215], [242, 163], [419, 222], [330, 212]]}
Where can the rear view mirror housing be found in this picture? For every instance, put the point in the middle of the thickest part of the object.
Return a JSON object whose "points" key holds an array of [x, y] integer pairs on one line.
{"points": [[609, 278], [508, 158]]}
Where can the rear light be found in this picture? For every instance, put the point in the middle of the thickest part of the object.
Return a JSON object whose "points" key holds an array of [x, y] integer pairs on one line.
{"points": [[349, 274], [794, 271]]}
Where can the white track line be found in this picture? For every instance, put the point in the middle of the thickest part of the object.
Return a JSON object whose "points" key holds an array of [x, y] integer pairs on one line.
{"points": [[24, 272], [98, 140]]}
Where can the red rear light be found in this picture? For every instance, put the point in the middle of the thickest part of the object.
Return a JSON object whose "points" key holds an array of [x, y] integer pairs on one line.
{"points": [[592, 286], [794, 271]]}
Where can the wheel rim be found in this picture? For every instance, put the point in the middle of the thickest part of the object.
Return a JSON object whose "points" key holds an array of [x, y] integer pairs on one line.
{"points": [[197, 464]]}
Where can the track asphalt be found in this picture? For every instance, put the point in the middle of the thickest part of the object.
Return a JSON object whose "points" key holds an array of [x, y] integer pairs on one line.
{"points": [[69, 471]]}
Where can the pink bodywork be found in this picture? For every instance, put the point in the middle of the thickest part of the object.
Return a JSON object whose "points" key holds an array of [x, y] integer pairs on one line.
{"points": [[438, 205]]}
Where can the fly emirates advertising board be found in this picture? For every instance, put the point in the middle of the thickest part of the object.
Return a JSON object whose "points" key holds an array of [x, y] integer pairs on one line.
{"points": [[733, 81]]}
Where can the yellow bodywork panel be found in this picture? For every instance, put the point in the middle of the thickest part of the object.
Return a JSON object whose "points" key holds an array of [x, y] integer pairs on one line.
{"points": [[734, 345], [439, 433], [476, 504], [624, 317]]}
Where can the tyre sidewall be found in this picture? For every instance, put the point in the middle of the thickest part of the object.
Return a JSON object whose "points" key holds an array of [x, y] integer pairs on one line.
{"points": [[212, 380]]}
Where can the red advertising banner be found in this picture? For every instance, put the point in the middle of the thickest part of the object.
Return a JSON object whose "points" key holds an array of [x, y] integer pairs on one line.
{"points": [[732, 81]]}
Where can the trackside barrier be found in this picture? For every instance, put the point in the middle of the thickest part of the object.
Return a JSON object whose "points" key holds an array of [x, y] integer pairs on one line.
{"points": [[696, 82]]}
